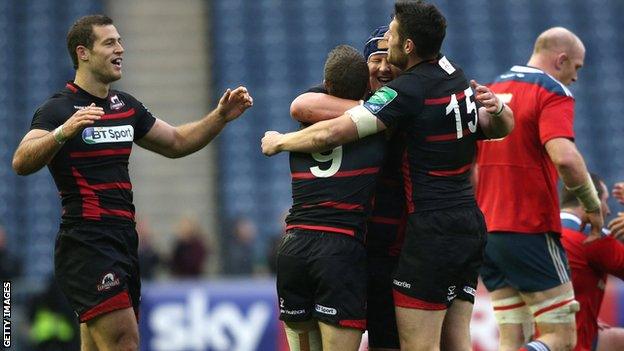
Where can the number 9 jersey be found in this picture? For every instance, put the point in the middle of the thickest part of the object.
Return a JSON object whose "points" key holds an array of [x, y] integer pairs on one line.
{"points": [[332, 190]]}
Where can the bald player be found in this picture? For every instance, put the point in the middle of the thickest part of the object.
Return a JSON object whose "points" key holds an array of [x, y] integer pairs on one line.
{"points": [[525, 268]]}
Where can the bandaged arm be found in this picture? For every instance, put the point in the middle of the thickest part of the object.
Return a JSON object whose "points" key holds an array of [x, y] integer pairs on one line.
{"points": [[326, 135]]}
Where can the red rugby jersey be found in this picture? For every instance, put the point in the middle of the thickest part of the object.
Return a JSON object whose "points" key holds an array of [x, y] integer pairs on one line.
{"points": [[517, 181]]}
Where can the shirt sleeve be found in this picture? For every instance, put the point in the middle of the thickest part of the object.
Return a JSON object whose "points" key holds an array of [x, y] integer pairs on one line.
{"points": [[395, 102], [45, 118], [556, 119], [606, 255], [144, 120]]}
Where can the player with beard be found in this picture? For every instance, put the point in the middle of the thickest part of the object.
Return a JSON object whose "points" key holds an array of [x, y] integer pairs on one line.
{"points": [[434, 104], [85, 134]]}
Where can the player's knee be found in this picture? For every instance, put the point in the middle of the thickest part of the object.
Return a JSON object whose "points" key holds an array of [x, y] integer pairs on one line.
{"points": [[127, 342], [123, 339]]}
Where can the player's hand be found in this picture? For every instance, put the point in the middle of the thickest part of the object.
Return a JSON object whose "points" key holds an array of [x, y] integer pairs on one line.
{"points": [[486, 97], [616, 226], [233, 103], [596, 221], [618, 192], [270, 143], [81, 119]]}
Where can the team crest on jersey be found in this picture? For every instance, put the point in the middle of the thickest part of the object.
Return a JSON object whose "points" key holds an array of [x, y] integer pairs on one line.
{"points": [[116, 103], [380, 99], [116, 134], [108, 281]]}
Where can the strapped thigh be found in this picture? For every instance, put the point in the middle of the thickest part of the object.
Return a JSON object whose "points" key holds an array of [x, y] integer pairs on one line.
{"points": [[560, 309]]}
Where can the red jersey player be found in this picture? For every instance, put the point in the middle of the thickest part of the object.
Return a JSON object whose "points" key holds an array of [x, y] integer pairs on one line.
{"points": [[590, 265], [525, 267]]}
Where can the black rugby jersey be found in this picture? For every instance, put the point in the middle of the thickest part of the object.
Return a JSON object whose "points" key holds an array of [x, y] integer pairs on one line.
{"points": [[91, 169], [332, 190], [387, 223], [433, 102]]}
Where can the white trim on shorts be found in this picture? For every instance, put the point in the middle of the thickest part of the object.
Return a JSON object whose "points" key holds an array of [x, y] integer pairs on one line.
{"points": [[555, 255]]}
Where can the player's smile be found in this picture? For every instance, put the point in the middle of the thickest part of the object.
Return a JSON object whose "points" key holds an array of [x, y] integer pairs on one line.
{"points": [[117, 63]]}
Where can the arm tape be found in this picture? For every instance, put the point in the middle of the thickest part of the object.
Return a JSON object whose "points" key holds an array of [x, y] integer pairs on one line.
{"points": [[59, 137], [587, 195], [500, 110], [365, 122]]}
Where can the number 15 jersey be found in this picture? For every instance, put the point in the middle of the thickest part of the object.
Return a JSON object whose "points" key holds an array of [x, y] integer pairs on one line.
{"points": [[433, 103], [332, 190]]}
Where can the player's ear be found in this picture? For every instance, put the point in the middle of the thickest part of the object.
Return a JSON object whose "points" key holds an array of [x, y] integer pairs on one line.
{"points": [[561, 59], [82, 53], [408, 46]]}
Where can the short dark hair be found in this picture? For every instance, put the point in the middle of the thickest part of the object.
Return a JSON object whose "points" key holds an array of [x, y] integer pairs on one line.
{"points": [[569, 200], [423, 23], [346, 73], [81, 33]]}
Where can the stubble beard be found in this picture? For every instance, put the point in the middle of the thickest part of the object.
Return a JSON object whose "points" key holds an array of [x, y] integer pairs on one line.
{"points": [[398, 59]]}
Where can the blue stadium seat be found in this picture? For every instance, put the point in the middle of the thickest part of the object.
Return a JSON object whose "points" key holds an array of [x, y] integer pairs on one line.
{"points": [[282, 53]]}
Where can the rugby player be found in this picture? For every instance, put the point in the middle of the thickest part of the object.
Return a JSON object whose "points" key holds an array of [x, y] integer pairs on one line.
{"points": [[435, 105], [525, 267], [321, 264], [590, 264], [386, 225], [84, 134]]}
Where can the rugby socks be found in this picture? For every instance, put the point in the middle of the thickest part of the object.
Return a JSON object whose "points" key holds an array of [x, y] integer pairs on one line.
{"points": [[535, 346]]}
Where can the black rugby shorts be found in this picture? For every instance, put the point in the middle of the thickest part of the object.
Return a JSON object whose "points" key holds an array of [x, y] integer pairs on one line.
{"points": [[96, 266], [442, 254], [323, 276]]}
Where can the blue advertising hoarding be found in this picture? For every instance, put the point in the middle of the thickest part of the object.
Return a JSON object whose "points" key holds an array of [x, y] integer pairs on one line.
{"points": [[209, 316]]}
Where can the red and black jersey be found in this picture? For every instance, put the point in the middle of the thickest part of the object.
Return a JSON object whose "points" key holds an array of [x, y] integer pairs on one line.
{"points": [[434, 104], [388, 220], [91, 169], [332, 190]]}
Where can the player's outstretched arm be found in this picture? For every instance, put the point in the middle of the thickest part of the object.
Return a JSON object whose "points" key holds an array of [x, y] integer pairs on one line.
{"points": [[310, 108], [39, 146], [174, 142], [573, 172], [496, 119], [319, 137]]}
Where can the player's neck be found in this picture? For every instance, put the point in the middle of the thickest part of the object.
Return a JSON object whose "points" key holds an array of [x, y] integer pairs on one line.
{"points": [[538, 62], [414, 60], [89, 83]]}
